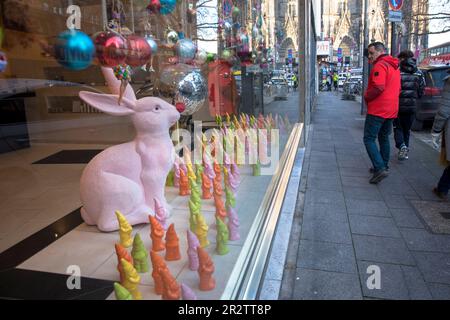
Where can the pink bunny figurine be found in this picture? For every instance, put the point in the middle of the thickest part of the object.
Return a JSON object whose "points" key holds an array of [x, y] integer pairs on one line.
{"points": [[129, 176]]}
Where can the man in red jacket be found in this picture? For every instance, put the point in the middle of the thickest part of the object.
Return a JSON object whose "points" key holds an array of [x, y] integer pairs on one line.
{"points": [[382, 97]]}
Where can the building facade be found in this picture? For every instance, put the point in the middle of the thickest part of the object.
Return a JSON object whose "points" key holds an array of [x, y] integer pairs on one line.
{"points": [[342, 24]]}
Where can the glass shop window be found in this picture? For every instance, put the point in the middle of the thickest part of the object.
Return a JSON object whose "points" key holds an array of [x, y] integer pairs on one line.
{"points": [[117, 110]]}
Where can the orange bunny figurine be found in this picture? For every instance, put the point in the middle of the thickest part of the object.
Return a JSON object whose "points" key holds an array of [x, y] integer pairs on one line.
{"points": [[205, 270], [157, 234], [172, 244]]}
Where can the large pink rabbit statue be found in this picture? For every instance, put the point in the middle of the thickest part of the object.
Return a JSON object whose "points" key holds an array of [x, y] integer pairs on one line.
{"points": [[128, 177]]}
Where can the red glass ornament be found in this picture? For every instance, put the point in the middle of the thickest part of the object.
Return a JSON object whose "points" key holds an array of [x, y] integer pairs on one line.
{"points": [[154, 6], [110, 48], [139, 51]]}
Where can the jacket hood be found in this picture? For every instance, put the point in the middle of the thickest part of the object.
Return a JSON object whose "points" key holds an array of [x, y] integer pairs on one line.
{"points": [[409, 65], [394, 62]]}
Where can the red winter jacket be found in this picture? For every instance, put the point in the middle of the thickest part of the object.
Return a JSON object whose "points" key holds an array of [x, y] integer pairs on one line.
{"points": [[383, 89]]}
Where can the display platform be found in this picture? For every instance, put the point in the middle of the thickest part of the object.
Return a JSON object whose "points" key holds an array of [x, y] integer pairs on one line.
{"points": [[93, 251]]}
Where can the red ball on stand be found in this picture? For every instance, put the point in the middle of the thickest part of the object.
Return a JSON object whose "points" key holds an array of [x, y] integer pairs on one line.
{"points": [[139, 51], [180, 106], [154, 6], [110, 48]]}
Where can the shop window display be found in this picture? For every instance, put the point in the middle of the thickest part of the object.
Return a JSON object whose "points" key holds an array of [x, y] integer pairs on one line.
{"points": [[167, 204]]}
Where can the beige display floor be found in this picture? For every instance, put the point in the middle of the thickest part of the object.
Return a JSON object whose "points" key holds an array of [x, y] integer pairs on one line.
{"points": [[94, 252]]}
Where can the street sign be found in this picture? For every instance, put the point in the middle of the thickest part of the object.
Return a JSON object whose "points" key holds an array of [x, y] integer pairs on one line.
{"points": [[395, 4], [395, 16]]}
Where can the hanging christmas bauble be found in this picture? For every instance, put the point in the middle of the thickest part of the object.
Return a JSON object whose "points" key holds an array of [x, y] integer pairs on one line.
{"points": [[111, 48], [226, 55], [139, 51], [186, 50], [201, 57], [167, 6], [210, 57], [3, 61], [153, 45], [243, 39], [74, 50], [228, 27], [154, 6], [236, 26], [236, 12], [192, 91], [243, 47], [255, 31], [172, 37], [192, 12], [172, 74]]}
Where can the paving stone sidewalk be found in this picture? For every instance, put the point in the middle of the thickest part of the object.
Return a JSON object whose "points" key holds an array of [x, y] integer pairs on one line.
{"points": [[347, 225]]}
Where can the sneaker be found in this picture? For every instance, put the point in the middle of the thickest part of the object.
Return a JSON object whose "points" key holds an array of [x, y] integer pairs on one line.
{"points": [[440, 195], [372, 170], [378, 176], [403, 153]]}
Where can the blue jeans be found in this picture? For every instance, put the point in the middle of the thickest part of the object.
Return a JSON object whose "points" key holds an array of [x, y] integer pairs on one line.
{"points": [[402, 128], [444, 182], [377, 127]]}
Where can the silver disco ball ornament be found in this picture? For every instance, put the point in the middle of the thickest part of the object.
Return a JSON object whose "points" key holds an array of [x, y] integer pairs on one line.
{"points": [[192, 91]]}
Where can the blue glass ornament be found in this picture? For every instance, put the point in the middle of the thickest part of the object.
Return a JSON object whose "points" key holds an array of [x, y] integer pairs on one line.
{"points": [[167, 6], [153, 45], [74, 50], [186, 50]]}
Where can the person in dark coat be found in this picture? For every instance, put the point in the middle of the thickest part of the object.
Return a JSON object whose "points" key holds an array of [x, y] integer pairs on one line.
{"points": [[441, 136], [412, 88]]}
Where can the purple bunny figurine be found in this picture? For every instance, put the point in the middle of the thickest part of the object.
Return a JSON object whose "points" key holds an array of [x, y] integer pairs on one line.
{"points": [[176, 176], [161, 214], [233, 224], [187, 293], [193, 244]]}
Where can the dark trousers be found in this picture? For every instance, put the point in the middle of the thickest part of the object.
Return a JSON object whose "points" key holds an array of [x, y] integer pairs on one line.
{"points": [[377, 127], [444, 182], [402, 128]]}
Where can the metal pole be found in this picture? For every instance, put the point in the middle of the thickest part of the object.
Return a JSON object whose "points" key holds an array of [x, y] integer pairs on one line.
{"points": [[104, 14], [302, 65], [393, 40], [132, 15], [365, 59]]}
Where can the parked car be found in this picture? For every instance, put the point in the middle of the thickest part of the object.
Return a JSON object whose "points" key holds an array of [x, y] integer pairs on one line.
{"points": [[426, 105], [280, 86]]}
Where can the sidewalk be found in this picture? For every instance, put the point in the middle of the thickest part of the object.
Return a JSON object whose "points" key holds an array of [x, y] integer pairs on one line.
{"points": [[344, 224]]}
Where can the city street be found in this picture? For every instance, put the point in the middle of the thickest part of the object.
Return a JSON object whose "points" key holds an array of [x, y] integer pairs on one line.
{"points": [[345, 226]]}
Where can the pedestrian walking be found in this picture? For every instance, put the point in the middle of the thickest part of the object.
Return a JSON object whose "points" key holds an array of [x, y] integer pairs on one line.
{"points": [[412, 88], [441, 131], [295, 80], [335, 81], [382, 101], [329, 82]]}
